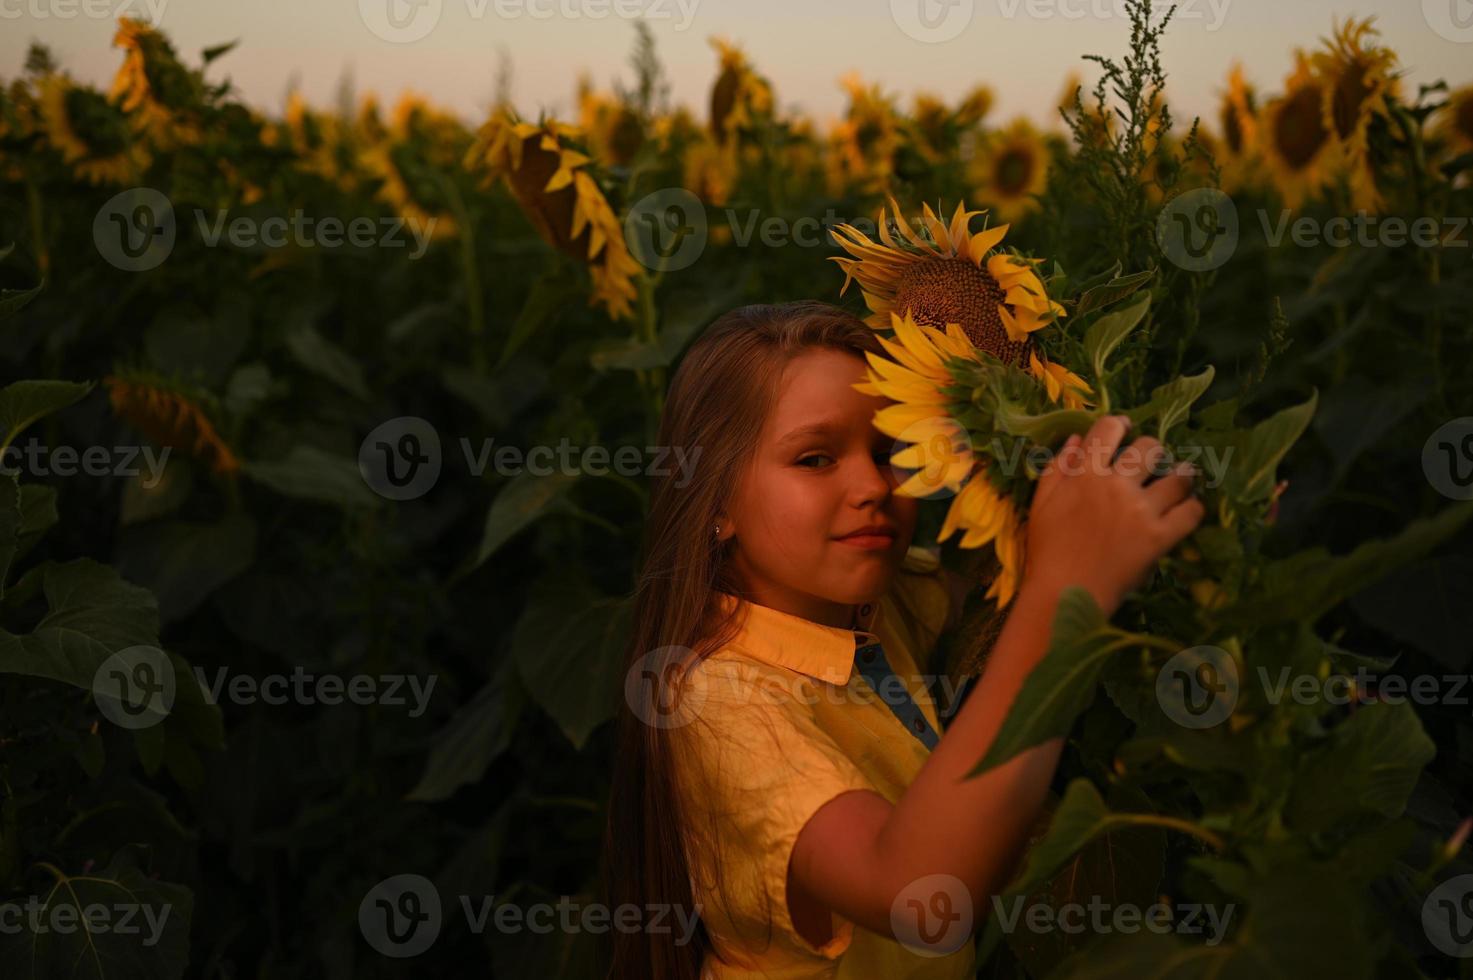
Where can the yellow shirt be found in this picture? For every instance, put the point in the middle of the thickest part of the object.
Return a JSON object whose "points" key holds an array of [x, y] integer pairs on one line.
{"points": [[780, 723]]}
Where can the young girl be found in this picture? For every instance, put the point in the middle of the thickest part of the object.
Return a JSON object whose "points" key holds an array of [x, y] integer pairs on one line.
{"points": [[780, 781]]}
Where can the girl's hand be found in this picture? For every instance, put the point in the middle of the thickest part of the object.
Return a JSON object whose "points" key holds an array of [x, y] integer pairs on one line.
{"points": [[1094, 521]]}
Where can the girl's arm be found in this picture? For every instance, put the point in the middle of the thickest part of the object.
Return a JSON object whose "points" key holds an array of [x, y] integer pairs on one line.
{"points": [[1093, 523]]}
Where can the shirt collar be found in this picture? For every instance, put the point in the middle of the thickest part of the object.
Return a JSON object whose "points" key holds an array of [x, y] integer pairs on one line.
{"points": [[782, 639]]}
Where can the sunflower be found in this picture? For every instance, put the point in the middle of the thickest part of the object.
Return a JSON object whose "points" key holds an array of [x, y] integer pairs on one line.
{"points": [[974, 106], [1011, 168], [317, 141], [90, 132], [1358, 76], [863, 146], [1296, 142], [154, 87], [740, 96], [551, 181], [709, 171], [170, 417], [920, 367], [613, 127], [997, 304], [1455, 122], [1061, 383]]}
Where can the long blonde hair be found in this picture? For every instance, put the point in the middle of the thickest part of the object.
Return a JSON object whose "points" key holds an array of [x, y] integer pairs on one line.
{"points": [[718, 401]]}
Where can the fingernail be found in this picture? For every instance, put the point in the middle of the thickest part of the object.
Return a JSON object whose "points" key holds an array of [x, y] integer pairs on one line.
{"points": [[1126, 420]]}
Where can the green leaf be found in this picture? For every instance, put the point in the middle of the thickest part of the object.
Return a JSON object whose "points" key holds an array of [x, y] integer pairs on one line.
{"points": [[1171, 402], [183, 562], [573, 632], [1061, 685], [1080, 818], [327, 360], [1306, 585], [1112, 292], [147, 937], [10, 519], [1048, 429], [215, 51], [309, 473], [1257, 452], [25, 402], [1369, 765], [12, 300], [548, 294], [92, 613], [1106, 333], [466, 746], [520, 503]]}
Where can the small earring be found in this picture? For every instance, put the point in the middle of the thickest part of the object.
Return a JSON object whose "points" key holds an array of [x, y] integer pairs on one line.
{"points": [[718, 530]]}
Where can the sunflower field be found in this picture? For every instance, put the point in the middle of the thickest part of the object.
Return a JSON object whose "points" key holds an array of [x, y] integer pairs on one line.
{"points": [[281, 625]]}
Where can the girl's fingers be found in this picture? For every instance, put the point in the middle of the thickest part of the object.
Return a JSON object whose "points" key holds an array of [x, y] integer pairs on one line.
{"points": [[1183, 518], [1172, 488], [1064, 461], [1141, 460], [1104, 438]]}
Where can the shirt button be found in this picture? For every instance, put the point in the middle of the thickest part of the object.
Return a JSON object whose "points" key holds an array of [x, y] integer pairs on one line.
{"points": [[864, 609], [867, 655], [919, 724]]}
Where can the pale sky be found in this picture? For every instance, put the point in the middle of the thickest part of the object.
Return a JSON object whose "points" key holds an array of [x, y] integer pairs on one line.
{"points": [[1022, 48]]}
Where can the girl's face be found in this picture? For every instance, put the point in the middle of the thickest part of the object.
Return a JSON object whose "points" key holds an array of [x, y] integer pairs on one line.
{"points": [[821, 471]]}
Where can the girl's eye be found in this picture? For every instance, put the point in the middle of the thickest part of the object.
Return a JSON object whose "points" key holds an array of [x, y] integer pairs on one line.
{"points": [[812, 456]]}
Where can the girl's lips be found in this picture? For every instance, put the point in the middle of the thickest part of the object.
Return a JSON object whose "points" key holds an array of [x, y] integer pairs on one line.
{"points": [[870, 541]]}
